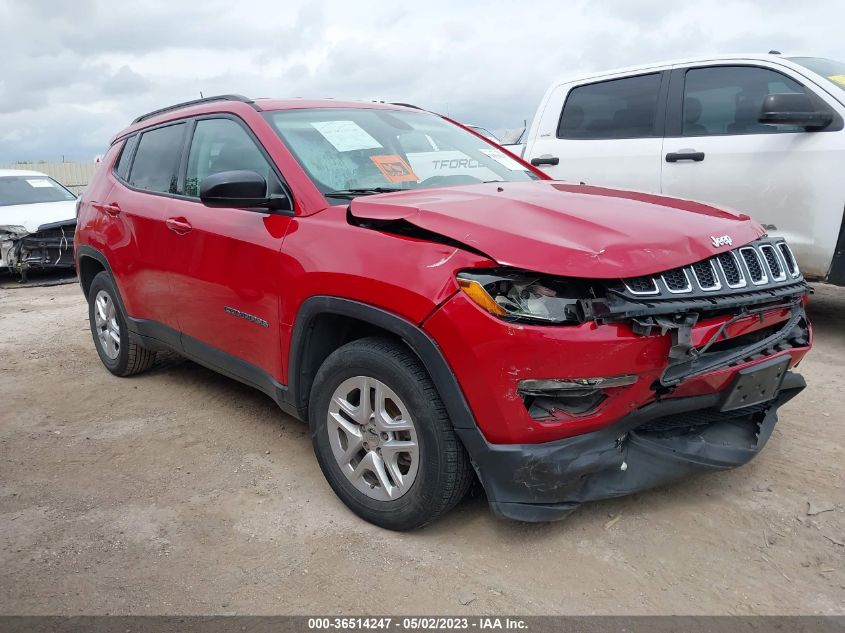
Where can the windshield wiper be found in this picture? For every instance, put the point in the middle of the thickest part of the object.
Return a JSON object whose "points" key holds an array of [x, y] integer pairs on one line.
{"points": [[367, 191]]}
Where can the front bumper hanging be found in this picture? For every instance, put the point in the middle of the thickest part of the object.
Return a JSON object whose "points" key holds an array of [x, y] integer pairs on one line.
{"points": [[655, 445]]}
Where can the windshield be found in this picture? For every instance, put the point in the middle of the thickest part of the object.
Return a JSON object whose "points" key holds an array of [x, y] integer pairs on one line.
{"points": [[831, 70], [352, 151], [31, 190]]}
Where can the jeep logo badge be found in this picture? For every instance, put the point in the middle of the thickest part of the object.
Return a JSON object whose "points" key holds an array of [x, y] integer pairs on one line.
{"points": [[722, 240]]}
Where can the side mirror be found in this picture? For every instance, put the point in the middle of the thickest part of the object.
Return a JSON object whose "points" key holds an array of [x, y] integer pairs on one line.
{"points": [[240, 189], [793, 108]]}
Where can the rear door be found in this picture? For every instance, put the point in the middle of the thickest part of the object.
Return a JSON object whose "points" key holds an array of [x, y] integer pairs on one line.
{"points": [[606, 132], [783, 176], [141, 245], [227, 280]]}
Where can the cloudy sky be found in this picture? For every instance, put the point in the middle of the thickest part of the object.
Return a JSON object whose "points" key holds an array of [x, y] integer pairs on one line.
{"points": [[73, 73]]}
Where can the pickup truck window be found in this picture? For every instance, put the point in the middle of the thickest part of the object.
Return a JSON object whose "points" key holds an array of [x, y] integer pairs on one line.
{"points": [[721, 100], [620, 108], [368, 150]]}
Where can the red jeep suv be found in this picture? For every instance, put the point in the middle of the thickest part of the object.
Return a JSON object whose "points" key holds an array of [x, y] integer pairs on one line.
{"points": [[436, 308]]}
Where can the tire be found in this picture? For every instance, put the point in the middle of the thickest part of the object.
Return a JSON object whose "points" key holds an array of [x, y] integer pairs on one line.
{"points": [[123, 357], [416, 486]]}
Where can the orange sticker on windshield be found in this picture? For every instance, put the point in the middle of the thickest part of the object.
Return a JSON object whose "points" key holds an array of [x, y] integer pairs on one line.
{"points": [[394, 168]]}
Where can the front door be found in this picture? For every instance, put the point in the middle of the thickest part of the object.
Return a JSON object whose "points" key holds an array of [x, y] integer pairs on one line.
{"points": [[227, 283], [786, 178]]}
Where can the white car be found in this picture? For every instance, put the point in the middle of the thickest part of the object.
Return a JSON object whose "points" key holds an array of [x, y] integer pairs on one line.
{"points": [[762, 134], [37, 222]]}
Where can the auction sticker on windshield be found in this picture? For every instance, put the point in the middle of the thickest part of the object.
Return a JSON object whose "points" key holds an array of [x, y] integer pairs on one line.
{"points": [[394, 168], [346, 136]]}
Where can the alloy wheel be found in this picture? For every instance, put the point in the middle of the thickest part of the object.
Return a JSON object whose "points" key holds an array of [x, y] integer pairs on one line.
{"points": [[105, 321], [373, 438]]}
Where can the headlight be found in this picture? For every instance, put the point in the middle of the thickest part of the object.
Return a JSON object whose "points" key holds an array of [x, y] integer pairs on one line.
{"points": [[519, 295]]}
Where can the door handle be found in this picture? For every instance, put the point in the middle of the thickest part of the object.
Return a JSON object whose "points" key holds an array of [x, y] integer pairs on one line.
{"points": [[112, 209], [674, 157], [545, 160], [180, 226]]}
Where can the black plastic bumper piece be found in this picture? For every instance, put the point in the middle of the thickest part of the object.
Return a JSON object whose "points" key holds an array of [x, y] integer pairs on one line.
{"points": [[655, 445]]}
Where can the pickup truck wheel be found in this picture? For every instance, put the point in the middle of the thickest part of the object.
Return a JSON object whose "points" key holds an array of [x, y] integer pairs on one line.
{"points": [[121, 356], [382, 436]]}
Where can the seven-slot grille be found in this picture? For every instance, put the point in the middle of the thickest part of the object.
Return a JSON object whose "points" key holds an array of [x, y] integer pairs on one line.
{"points": [[761, 263]]}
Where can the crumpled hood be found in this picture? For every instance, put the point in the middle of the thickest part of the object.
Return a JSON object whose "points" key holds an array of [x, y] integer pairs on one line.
{"points": [[564, 229], [31, 216]]}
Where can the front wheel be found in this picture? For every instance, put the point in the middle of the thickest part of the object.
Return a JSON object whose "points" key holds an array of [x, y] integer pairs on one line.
{"points": [[382, 436]]}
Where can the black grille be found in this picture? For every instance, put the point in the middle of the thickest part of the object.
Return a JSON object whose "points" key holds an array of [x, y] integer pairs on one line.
{"points": [[676, 279], [753, 263], [705, 275], [788, 258], [702, 417], [732, 274], [772, 261], [640, 284]]}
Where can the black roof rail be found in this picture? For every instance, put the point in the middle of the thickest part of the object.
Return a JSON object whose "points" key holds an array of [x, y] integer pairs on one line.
{"points": [[406, 105], [185, 104]]}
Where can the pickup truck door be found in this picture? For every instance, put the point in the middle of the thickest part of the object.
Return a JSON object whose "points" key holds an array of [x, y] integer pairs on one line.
{"points": [[785, 177], [606, 132]]}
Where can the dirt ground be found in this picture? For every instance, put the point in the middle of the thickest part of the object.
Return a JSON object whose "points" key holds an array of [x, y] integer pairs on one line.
{"points": [[183, 492]]}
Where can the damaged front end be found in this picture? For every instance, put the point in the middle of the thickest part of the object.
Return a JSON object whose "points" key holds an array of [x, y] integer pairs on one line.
{"points": [[702, 363], [49, 247], [756, 280]]}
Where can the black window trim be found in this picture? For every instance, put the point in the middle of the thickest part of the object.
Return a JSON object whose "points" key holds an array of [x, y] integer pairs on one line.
{"points": [[675, 105], [659, 109], [132, 138], [181, 175]]}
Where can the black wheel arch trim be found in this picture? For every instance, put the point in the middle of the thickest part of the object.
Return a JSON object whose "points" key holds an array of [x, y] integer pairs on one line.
{"points": [[413, 336], [83, 251]]}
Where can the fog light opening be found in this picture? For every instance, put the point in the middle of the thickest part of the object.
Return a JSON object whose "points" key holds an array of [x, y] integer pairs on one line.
{"points": [[574, 396]]}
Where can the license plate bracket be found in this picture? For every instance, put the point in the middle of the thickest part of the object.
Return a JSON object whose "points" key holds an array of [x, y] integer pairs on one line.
{"points": [[755, 385]]}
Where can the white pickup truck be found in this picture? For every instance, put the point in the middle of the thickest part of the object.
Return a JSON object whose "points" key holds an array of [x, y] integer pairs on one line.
{"points": [[762, 134]]}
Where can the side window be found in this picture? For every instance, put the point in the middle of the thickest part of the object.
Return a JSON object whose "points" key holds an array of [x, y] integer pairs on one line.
{"points": [[620, 108], [727, 100], [122, 166], [223, 145], [157, 159]]}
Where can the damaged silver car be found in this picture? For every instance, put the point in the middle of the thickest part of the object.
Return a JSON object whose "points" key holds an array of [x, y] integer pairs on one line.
{"points": [[37, 222]]}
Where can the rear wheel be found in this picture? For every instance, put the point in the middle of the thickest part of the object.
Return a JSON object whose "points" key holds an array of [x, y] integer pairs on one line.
{"points": [[120, 356], [382, 436]]}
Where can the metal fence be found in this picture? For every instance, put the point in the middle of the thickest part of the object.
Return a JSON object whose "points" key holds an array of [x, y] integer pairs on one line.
{"points": [[74, 176]]}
